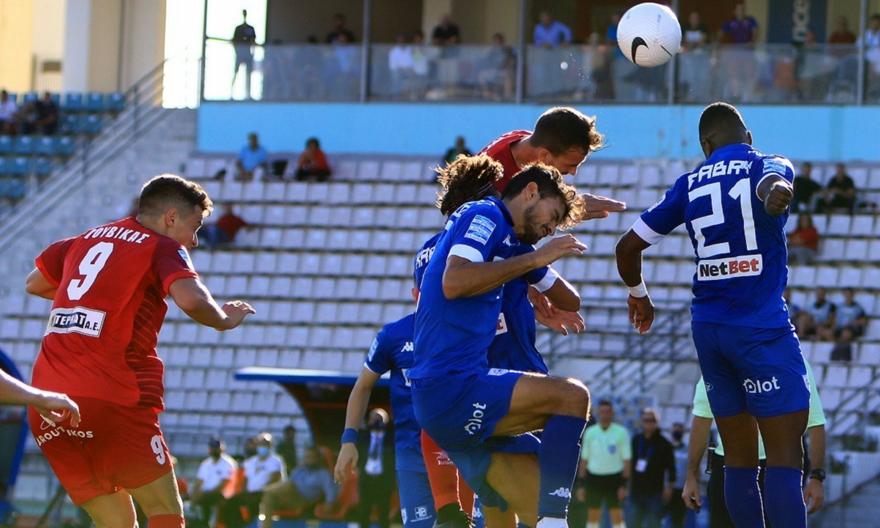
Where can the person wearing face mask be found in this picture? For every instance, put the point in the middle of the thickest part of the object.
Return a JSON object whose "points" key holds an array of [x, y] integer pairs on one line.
{"points": [[213, 476], [376, 478], [676, 508], [261, 468]]}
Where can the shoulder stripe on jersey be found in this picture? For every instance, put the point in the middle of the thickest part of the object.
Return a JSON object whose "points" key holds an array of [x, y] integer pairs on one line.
{"points": [[646, 233], [366, 366], [466, 252], [548, 281]]}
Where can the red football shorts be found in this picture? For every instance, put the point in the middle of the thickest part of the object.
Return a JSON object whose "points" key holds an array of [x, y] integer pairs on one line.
{"points": [[113, 448]]}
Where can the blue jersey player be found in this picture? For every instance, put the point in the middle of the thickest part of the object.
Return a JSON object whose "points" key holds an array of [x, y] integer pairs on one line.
{"points": [[734, 206], [463, 404]]}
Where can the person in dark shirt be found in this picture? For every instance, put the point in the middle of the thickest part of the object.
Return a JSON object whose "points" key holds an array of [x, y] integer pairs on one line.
{"points": [[653, 472], [840, 192], [312, 163], [842, 34], [376, 455], [243, 40], [741, 29], [805, 188], [851, 315], [44, 117], [459, 149], [287, 447], [445, 33], [340, 34], [695, 33], [842, 350]]}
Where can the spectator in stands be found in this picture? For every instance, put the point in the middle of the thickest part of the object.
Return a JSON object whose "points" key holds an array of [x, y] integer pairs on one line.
{"points": [[819, 319], [310, 484], [850, 315], [287, 446], [243, 40], [551, 33], [250, 157], [611, 30], [499, 69], [842, 34], [376, 456], [8, 110], [401, 66], [839, 194], [456, 150], [842, 350], [46, 121], [871, 40], [653, 472], [260, 470], [445, 33], [605, 464], [312, 163], [805, 189], [224, 230], [214, 474], [676, 506], [695, 33], [741, 29], [803, 242], [339, 32]]}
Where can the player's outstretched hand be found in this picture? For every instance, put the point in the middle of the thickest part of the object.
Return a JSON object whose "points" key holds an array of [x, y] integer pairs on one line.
{"points": [[562, 246], [691, 494], [814, 495], [641, 313], [561, 321], [779, 198], [540, 303], [57, 408], [345, 462], [600, 206], [235, 312]]}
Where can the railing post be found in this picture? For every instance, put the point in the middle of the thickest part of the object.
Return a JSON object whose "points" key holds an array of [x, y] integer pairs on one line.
{"points": [[135, 114], [862, 71], [365, 51], [521, 56]]}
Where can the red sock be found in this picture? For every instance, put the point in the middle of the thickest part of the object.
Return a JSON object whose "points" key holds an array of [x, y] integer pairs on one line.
{"points": [[441, 473], [166, 521], [465, 497]]}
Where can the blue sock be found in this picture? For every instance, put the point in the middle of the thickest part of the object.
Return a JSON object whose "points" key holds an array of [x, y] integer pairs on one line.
{"points": [[743, 497], [558, 459], [785, 500]]}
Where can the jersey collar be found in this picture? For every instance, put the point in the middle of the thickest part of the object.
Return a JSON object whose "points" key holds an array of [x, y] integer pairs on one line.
{"points": [[726, 150], [503, 208]]}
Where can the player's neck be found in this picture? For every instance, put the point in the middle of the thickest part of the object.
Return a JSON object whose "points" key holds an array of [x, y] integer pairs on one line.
{"points": [[523, 152]]}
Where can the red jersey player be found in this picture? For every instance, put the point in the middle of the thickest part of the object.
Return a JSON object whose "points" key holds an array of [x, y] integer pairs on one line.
{"points": [[108, 287]]}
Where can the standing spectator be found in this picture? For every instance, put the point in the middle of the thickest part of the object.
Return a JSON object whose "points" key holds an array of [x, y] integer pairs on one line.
{"points": [[260, 469], [842, 34], [551, 33], [310, 484], [741, 29], [459, 149], [676, 506], [850, 315], [805, 189], [605, 461], [611, 30], [499, 68], [8, 109], [803, 242], [871, 40], [250, 157], [243, 40], [695, 33], [312, 163], [839, 194], [287, 446], [818, 319], [842, 350], [214, 474], [339, 31], [401, 66], [445, 33], [653, 472], [376, 481], [224, 230]]}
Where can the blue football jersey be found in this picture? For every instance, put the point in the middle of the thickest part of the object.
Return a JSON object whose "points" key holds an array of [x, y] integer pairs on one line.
{"points": [[453, 336], [392, 350], [741, 256]]}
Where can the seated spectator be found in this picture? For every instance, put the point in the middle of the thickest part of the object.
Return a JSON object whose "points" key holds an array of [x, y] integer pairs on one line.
{"points": [[842, 34], [695, 33], [287, 447], [214, 474], [551, 33], [803, 242], [252, 155], [445, 33], [741, 29], [839, 194], [310, 484], [818, 320], [46, 116], [459, 149], [224, 230], [842, 350], [339, 32], [8, 111], [260, 470], [850, 315], [805, 189], [312, 163]]}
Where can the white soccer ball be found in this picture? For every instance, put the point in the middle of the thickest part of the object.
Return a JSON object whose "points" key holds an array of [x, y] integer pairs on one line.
{"points": [[649, 34]]}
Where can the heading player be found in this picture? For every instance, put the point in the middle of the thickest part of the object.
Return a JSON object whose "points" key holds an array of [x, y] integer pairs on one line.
{"points": [[735, 206], [108, 287]]}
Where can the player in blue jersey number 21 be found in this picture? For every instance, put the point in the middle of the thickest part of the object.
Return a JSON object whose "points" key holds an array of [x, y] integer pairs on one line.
{"points": [[734, 206]]}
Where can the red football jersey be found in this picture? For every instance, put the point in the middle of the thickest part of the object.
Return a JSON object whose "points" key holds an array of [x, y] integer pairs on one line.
{"points": [[109, 307], [499, 150]]}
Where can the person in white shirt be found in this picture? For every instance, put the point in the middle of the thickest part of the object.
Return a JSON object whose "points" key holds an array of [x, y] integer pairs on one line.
{"points": [[214, 474], [260, 470], [8, 109]]}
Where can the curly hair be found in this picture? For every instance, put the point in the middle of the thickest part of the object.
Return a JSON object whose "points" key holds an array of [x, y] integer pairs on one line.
{"points": [[466, 179], [550, 184]]}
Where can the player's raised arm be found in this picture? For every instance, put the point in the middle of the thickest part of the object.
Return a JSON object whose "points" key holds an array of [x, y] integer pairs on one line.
{"points": [[197, 302], [629, 266], [37, 284], [776, 192]]}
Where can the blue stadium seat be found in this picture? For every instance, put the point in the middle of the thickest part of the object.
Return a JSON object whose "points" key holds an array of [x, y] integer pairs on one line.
{"points": [[95, 102], [30, 97], [13, 97], [5, 144], [73, 123], [42, 165], [46, 146], [65, 146], [92, 124], [56, 98], [20, 166], [115, 102], [24, 145], [15, 189], [73, 102], [4, 165]]}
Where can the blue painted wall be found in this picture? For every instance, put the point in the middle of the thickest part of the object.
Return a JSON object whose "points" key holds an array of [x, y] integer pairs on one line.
{"points": [[819, 133]]}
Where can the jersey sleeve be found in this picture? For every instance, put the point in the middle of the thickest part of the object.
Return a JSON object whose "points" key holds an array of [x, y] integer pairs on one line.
{"points": [[171, 262], [701, 401], [51, 261], [477, 233], [665, 215], [541, 278], [378, 359], [775, 166], [816, 416]]}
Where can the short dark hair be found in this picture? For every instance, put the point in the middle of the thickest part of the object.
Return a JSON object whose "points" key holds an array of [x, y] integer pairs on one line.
{"points": [[169, 190], [605, 402], [313, 140], [562, 128], [723, 119], [550, 184], [466, 179]]}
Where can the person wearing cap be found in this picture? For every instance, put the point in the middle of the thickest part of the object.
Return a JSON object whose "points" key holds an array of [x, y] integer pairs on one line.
{"points": [[214, 474], [260, 470]]}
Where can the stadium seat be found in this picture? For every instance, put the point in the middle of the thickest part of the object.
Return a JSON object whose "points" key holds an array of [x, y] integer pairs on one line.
{"points": [[24, 145], [94, 102], [20, 166], [42, 166], [45, 145], [73, 102], [5, 144], [65, 146], [115, 102], [92, 124]]}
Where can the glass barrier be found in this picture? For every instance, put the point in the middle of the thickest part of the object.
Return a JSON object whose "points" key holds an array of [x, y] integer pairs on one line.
{"points": [[872, 75], [768, 74], [404, 72]]}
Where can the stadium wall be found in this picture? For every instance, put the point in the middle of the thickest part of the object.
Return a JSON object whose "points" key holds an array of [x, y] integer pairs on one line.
{"points": [[818, 133]]}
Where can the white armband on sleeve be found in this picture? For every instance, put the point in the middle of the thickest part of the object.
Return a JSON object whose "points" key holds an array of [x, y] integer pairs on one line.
{"points": [[646, 233], [466, 252], [548, 281]]}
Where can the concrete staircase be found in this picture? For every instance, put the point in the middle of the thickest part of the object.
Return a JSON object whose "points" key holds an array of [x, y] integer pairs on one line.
{"points": [[862, 510]]}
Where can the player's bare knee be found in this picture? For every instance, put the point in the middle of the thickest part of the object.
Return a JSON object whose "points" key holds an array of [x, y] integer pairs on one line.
{"points": [[574, 398]]}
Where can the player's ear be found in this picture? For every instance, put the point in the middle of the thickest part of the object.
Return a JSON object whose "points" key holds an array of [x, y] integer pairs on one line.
{"points": [[706, 146], [531, 191], [749, 136]]}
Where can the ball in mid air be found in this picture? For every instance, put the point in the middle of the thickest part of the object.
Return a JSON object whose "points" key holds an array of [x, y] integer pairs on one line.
{"points": [[649, 34]]}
